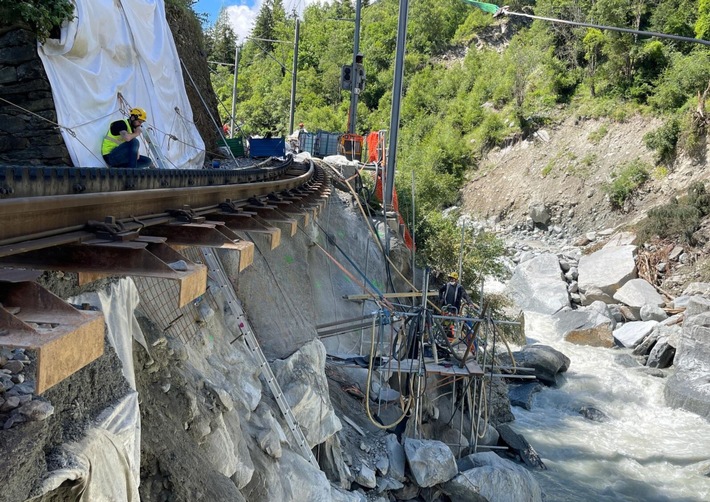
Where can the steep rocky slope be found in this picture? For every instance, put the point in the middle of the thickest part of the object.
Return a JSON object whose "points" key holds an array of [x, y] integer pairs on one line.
{"points": [[565, 167]]}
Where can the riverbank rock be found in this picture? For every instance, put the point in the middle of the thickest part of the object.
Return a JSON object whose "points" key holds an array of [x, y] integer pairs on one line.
{"points": [[631, 334], [687, 388], [487, 477], [305, 388], [431, 462], [520, 447], [546, 362], [636, 293], [538, 285], [606, 270], [522, 395]]}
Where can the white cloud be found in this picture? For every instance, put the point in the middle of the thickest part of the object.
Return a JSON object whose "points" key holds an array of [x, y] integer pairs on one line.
{"points": [[242, 17]]}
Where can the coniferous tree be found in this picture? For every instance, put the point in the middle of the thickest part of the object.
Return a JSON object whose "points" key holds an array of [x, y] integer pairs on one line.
{"points": [[264, 26], [220, 40]]}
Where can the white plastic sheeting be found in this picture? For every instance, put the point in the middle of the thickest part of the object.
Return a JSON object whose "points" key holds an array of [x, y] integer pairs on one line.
{"points": [[105, 464], [121, 47]]}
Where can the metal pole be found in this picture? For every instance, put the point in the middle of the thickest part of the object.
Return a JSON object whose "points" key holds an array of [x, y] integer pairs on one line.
{"points": [[293, 77], [234, 90], [396, 95], [354, 90], [464, 382]]}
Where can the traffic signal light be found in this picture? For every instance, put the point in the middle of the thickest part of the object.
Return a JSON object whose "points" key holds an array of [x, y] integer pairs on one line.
{"points": [[360, 76], [346, 77]]}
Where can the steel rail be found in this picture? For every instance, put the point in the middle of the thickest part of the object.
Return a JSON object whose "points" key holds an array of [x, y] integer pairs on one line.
{"points": [[53, 215]]}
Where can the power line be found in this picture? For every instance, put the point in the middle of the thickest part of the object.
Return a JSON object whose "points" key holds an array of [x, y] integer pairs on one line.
{"points": [[503, 11]]}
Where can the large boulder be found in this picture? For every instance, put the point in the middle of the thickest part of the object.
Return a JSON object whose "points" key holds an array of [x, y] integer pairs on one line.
{"points": [[607, 269], [546, 362], [631, 334], [586, 326], [688, 387], [395, 455], [661, 355], [538, 213], [305, 388], [638, 292], [538, 285], [621, 239], [522, 395], [486, 477], [292, 477], [431, 462]]}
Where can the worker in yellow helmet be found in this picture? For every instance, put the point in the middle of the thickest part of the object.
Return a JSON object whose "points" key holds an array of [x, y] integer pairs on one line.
{"points": [[120, 146], [452, 294]]}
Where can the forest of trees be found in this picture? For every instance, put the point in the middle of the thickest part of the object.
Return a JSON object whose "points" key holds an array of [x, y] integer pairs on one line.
{"points": [[469, 85]]}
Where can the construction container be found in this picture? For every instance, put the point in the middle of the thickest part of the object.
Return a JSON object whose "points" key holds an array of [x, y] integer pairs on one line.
{"points": [[267, 147], [350, 145], [235, 145], [326, 143], [307, 142]]}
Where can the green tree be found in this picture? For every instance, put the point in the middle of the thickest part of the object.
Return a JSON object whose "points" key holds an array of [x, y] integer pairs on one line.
{"points": [[702, 25], [220, 40], [42, 17], [264, 26], [593, 42]]}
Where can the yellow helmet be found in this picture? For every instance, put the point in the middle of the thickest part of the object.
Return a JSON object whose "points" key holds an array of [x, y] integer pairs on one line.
{"points": [[139, 113], [454, 275]]}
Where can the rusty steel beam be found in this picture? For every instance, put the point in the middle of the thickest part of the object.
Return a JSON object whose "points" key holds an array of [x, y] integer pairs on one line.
{"points": [[208, 234], [38, 215], [94, 259], [250, 223]]}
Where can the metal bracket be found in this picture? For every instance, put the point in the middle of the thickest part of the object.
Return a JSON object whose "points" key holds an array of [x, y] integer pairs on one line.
{"points": [[111, 230], [186, 215]]}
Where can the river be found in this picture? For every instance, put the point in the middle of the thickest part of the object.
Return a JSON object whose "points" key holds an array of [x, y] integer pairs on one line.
{"points": [[644, 452]]}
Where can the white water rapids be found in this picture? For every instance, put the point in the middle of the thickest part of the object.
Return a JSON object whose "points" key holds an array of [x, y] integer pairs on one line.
{"points": [[644, 452]]}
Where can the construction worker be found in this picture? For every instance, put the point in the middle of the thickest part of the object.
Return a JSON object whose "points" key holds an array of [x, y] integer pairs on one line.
{"points": [[452, 294], [120, 146], [293, 139]]}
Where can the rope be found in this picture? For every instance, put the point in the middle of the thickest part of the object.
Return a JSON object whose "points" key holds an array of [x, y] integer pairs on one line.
{"points": [[374, 235], [332, 241], [377, 299], [65, 128]]}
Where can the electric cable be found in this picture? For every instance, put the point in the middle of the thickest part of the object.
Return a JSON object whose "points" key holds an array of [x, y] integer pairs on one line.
{"points": [[505, 12], [407, 401]]}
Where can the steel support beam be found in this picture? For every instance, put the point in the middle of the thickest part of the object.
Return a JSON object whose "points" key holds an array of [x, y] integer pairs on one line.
{"points": [[146, 256], [63, 338]]}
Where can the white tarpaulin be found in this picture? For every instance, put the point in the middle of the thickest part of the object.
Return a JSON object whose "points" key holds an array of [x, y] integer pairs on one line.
{"points": [[112, 48]]}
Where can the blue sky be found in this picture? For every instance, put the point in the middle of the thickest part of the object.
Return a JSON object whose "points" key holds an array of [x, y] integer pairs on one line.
{"points": [[242, 12]]}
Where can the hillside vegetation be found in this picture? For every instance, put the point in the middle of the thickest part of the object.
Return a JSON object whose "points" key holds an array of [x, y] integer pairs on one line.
{"points": [[473, 82]]}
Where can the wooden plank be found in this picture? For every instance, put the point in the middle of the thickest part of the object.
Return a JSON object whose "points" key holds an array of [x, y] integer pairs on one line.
{"points": [[447, 369], [65, 355], [193, 283], [411, 294], [65, 339]]}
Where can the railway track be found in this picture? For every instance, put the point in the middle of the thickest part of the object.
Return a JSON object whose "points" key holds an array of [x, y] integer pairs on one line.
{"points": [[129, 223], [39, 209]]}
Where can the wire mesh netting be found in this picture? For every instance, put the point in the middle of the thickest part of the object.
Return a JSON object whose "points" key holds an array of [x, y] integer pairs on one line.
{"points": [[159, 301]]}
